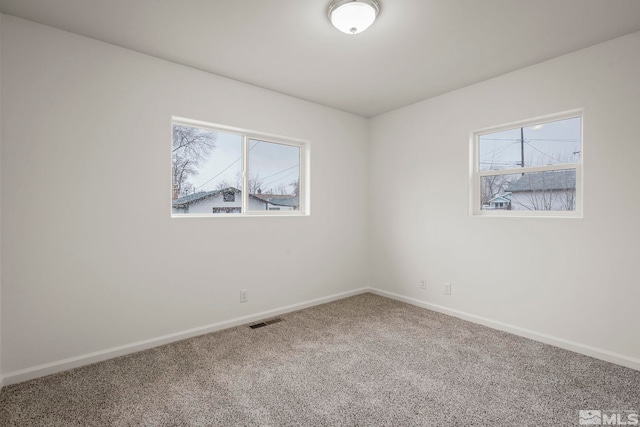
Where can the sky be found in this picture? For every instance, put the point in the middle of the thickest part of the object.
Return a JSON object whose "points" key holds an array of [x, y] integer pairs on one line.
{"points": [[554, 142], [278, 165], [274, 164]]}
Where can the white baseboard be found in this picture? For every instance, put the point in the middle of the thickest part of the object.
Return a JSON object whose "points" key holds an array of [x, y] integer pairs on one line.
{"points": [[598, 353], [98, 356]]}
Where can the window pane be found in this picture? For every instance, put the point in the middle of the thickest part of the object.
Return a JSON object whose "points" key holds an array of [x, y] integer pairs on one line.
{"points": [[274, 176], [551, 143], [207, 171], [537, 191]]}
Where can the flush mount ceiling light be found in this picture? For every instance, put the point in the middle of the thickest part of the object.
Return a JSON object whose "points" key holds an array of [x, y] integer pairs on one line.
{"points": [[353, 16]]}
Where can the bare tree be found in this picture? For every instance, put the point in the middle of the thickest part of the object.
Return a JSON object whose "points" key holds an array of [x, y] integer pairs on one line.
{"points": [[191, 146], [282, 189], [221, 185], [492, 186], [568, 200], [255, 184], [567, 197], [296, 187], [549, 190], [540, 200], [553, 190]]}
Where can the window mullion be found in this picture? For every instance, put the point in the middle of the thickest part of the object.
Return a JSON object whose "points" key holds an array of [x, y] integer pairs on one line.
{"points": [[245, 174], [301, 181]]}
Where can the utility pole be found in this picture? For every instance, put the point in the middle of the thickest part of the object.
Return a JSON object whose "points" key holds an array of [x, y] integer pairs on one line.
{"points": [[522, 148]]}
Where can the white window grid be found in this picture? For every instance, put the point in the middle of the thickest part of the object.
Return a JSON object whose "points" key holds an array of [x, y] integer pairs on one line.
{"points": [[246, 135], [475, 175]]}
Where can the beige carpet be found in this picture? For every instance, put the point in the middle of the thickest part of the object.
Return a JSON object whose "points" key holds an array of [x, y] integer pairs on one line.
{"points": [[362, 361]]}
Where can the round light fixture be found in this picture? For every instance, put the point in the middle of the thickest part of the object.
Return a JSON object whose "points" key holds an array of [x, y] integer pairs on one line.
{"points": [[353, 16]]}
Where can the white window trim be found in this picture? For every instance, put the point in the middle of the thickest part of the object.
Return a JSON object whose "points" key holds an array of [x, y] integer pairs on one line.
{"points": [[475, 174], [305, 160]]}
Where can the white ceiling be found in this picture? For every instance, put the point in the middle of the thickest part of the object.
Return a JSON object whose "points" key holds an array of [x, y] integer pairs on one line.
{"points": [[415, 50]]}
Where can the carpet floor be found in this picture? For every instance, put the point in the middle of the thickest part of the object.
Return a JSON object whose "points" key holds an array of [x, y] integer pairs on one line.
{"points": [[360, 361]]}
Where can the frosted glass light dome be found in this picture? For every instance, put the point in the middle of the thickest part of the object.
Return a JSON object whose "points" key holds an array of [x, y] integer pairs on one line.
{"points": [[353, 16]]}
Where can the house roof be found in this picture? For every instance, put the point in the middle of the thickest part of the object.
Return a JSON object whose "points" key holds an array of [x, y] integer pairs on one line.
{"points": [[544, 181], [274, 199], [195, 197], [278, 199], [502, 198]]}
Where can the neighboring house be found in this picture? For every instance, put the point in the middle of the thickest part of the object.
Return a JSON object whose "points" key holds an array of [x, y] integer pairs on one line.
{"points": [[500, 202], [278, 202], [229, 200], [553, 190]]}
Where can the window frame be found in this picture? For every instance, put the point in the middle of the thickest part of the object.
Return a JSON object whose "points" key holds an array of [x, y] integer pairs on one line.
{"points": [[304, 157], [475, 174]]}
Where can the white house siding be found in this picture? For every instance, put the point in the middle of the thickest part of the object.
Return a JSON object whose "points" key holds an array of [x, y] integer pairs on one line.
{"points": [[271, 206], [526, 201], [206, 205], [257, 205], [279, 208]]}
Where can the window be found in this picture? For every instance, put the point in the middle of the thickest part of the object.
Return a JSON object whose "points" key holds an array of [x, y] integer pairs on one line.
{"points": [[225, 210], [229, 195], [212, 165], [532, 168]]}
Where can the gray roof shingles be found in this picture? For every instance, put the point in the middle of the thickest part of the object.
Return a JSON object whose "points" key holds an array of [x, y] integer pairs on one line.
{"points": [[279, 199], [276, 200], [544, 181], [194, 197]]}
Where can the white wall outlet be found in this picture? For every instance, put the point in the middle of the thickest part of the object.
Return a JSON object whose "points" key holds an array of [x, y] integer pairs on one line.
{"points": [[244, 297], [423, 283], [447, 288]]}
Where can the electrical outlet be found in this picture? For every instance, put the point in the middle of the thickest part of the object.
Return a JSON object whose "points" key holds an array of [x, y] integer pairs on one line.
{"points": [[447, 288], [244, 297], [423, 283]]}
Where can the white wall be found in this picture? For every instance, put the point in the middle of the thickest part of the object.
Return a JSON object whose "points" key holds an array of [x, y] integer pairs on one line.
{"points": [[573, 279], [86, 133], [88, 267]]}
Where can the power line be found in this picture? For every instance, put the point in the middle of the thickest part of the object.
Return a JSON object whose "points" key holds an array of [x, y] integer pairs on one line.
{"points": [[279, 179], [503, 149], [545, 154], [225, 169], [528, 142], [283, 170]]}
